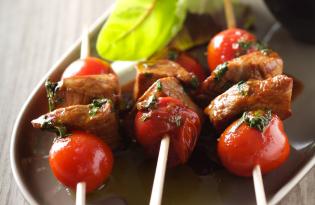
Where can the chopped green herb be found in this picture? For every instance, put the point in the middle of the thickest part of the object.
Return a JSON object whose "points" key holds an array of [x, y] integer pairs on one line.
{"points": [[172, 55], [220, 71], [151, 102], [58, 128], [51, 89], [265, 51], [243, 88], [245, 45], [194, 82], [96, 105], [159, 86], [177, 119], [258, 119], [261, 46], [145, 116]]}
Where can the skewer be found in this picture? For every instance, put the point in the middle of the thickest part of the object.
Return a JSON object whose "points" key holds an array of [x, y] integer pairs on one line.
{"points": [[84, 53], [158, 183], [85, 44], [229, 14], [257, 176], [259, 186], [80, 194]]}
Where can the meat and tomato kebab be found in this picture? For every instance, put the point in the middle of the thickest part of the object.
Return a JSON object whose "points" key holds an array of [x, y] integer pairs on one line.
{"points": [[246, 85]]}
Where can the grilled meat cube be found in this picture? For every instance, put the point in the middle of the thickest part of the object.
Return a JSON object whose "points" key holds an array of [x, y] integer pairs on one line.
{"points": [[81, 90], [273, 93], [257, 65], [167, 87], [100, 120], [149, 72]]}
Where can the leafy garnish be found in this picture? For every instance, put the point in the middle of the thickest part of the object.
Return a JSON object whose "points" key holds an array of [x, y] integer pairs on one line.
{"points": [[150, 102], [172, 55], [58, 128], [177, 120], [140, 28], [258, 119], [159, 86], [245, 46], [51, 89], [96, 105], [195, 34], [220, 71], [195, 81], [243, 88], [145, 116]]}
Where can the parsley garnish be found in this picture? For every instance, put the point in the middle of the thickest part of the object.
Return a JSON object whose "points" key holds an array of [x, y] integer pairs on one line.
{"points": [[159, 86], [145, 116], [220, 71], [172, 55], [58, 128], [151, 102], [257, 119], [244, 46], [96, 105], [51, 89], [194, 81], [177, 119], [243, 88]]}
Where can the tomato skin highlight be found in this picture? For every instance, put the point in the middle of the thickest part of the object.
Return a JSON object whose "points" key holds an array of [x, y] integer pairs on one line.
{"points": [[183, 137], [88, 66], [223, 46], [242, 148], [191, 65], [81, 157]]}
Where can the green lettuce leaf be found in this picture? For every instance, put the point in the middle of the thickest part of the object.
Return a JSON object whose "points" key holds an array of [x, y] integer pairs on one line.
{"points": [[138, 28]]}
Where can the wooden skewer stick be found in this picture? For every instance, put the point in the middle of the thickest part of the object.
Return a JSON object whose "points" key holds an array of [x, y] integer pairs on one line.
{"points": [[229, 14], [158, 183], [257, 176], [85, 44], [84, 53], [259, 186], [80, 194]]}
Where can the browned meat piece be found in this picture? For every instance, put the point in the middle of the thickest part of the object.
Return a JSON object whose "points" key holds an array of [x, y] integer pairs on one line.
{"points": [[149, 72], [101, 121], [257, 65], [81, 90], [168, 87], [273, 93]]}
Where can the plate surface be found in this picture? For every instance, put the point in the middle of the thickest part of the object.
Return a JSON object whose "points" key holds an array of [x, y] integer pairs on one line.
{"points": [[133, 173]]}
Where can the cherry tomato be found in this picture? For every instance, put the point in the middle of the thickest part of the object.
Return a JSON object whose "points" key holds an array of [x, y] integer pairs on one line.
{"points": [[81, 157], [191, 65], [242, 147], [88, 66], [225, 46], [169, 117]]}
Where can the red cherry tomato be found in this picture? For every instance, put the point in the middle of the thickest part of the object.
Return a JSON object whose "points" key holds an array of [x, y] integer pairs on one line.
{"points": [[169, 117], [242, 147], [191, 65], [81, 157], [88, 66], [224, 46]]}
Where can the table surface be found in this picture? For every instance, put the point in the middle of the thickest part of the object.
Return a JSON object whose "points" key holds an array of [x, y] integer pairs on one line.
{"points": [[33, 35]]}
